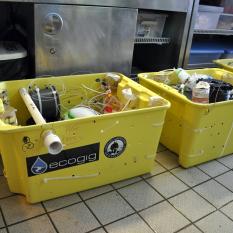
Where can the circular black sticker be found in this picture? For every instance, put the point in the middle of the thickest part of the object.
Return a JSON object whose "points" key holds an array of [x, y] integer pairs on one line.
{"points": [[115, 147]]}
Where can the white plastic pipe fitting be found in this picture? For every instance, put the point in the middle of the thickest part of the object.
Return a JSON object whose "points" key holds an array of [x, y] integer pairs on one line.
{"points": [[52, 142]]}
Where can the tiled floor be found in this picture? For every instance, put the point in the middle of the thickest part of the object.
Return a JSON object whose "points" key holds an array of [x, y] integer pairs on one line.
{"points": [[168, 200]]}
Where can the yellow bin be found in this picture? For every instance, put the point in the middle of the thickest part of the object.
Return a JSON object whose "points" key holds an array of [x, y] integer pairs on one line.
{"points": [[196, 132], [225, 64], [85, 162]]}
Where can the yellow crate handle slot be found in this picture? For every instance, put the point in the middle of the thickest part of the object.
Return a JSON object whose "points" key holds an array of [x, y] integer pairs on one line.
{"points": [[158, 124], [201, 152], [46, 180]]}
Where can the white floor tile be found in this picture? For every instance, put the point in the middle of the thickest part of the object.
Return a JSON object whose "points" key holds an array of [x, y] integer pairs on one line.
{"points": [[191, 176], [1, 221], [16, 209], [163, 218], [191, 205], [167, 184], [114, 210], [95, 192], [123, 183], [131, 224], [226, 179], [156, 170], [216, 223], [109, 207], [35, 225], [140, 195], [168, 159], [190, 229], [101, 230], [215, 193], [228, 210], [74, 219], [227, 160], [213, 168], [4, 190], [60, 202]]}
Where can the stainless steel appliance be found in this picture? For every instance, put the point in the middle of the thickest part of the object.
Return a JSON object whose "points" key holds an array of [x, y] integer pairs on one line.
{"points": [[82, 36], [83, 39]]}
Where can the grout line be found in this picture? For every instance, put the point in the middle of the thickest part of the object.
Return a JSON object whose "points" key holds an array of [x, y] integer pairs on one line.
{"points": [[165, 149], [102, 225], [4, 220], [222, 162], [107, 224], [190, 188], [186, 183], [136, 211], [225, 215], [194, 224], [114, 188], [60, 208], [24, 220], [164, 199], [90, 210], [154, 174], [98, 228], [98, 195], [213, 178], [178, 165], [226, 204], [50, 219], [191, 224], [167, 199], [13, 194]]}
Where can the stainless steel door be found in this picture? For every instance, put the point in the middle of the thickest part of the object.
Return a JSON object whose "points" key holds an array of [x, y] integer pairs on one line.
{"points": [[83, 39]]}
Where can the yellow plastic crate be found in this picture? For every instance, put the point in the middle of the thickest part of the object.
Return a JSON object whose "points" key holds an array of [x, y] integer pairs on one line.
{"points": [[196, 132], [225, 64], [84, 162]]}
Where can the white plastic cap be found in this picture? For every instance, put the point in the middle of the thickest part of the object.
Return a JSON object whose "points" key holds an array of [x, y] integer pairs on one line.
{"points": [[153, 100], [115, 77], [128, 94]]}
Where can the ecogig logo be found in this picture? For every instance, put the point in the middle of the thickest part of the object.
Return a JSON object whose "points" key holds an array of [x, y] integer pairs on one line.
{"points": [[68, 158], [39, 166]]}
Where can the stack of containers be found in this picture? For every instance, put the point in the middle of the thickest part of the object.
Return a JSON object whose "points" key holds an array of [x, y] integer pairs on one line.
{"points": [[208, 17]]}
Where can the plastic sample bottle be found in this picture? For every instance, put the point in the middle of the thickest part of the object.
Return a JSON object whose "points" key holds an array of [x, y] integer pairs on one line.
{"points": [[182, 75]]}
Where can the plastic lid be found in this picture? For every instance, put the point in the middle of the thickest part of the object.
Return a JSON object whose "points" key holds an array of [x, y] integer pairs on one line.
{"points": [[207, 8], [10, 50]]}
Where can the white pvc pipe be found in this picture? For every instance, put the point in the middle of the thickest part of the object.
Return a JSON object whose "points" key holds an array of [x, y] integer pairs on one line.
{"points": [[35, 113], [51, 141]]}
